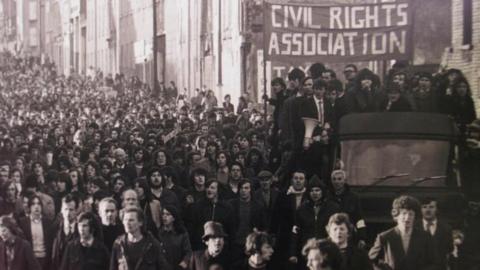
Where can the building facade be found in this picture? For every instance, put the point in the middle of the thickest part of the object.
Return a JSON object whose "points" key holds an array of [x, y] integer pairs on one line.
{"points": [[464, 51]]}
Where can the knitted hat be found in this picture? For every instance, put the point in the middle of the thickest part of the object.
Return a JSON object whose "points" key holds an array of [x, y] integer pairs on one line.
{"points": [[316, 182]]}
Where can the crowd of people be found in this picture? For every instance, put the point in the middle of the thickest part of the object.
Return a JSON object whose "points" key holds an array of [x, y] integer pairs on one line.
{"points": [[99, 172]]}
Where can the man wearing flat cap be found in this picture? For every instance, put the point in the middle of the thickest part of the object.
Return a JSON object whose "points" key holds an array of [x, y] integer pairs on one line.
{"points": [[266, 194], [214, 254]]}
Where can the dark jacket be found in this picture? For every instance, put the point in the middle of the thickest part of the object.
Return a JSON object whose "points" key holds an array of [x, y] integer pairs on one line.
{"points": [[153, 256], [349, 203], [356, 259], [60, 244], [308, 109], [76, 257], [23, 256], [401, 105], [443, 242], [426, 102], [278, 104], [258, 196], [110, 234], [131, 172], [24, 224], [288, 118], [463, 111], [283, 220], [168, 197], [201, 260], [364, 101], [388, 253], [204, 211], [177, 246], [308, 224], [257, 215]]}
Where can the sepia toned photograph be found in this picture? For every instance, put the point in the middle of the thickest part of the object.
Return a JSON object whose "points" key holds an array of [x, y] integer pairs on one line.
{"points": [[239, 135]]}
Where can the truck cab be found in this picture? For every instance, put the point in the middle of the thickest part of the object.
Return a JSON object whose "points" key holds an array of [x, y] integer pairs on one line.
{"points": [[389, 154]]}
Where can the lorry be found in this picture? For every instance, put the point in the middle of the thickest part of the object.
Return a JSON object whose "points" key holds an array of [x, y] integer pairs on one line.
{"points": [[393, 153]]}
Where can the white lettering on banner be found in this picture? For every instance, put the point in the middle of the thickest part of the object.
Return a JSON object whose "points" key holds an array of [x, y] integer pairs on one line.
{"points": [[351, 36], [309, 50], [335, 21], [286, 39], [398, 43], [339, 44], [365, 43], [320, 50], [371, 18], [297, 43], [402, 13], [364, 31], [273, 44], [293, 16], [357, 23], [382, 49], [388, 14], [274, 21], [310, 23], [282, 71], [358, 17], [296, 18]]}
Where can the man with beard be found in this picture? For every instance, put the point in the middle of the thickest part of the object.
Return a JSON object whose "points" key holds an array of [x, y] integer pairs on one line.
{"points": [[214, 255], [107, 209], [137, 248], [158, 192]]}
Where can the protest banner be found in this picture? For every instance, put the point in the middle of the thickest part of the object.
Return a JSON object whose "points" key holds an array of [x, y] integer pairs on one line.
{"points": [[301, 34]]}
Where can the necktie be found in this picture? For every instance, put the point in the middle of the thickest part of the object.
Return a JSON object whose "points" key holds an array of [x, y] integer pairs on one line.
{"points": [[320, 111], [430, 227]]}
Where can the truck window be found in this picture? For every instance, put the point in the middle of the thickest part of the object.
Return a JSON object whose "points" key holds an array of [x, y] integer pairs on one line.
{"points": [[369, 160]]}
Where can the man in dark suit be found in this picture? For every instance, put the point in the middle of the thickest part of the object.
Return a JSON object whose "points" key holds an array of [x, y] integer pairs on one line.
{"points": [[283, 217], [405, 246], [440, 231], [267, 194], [314, 151], [38, 232]]}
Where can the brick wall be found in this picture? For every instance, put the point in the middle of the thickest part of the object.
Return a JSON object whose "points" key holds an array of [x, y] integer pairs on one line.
{"points": [[466, 58]]}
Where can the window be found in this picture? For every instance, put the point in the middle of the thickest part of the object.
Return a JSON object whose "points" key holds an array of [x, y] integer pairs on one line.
{"points": [[467, 22]]}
